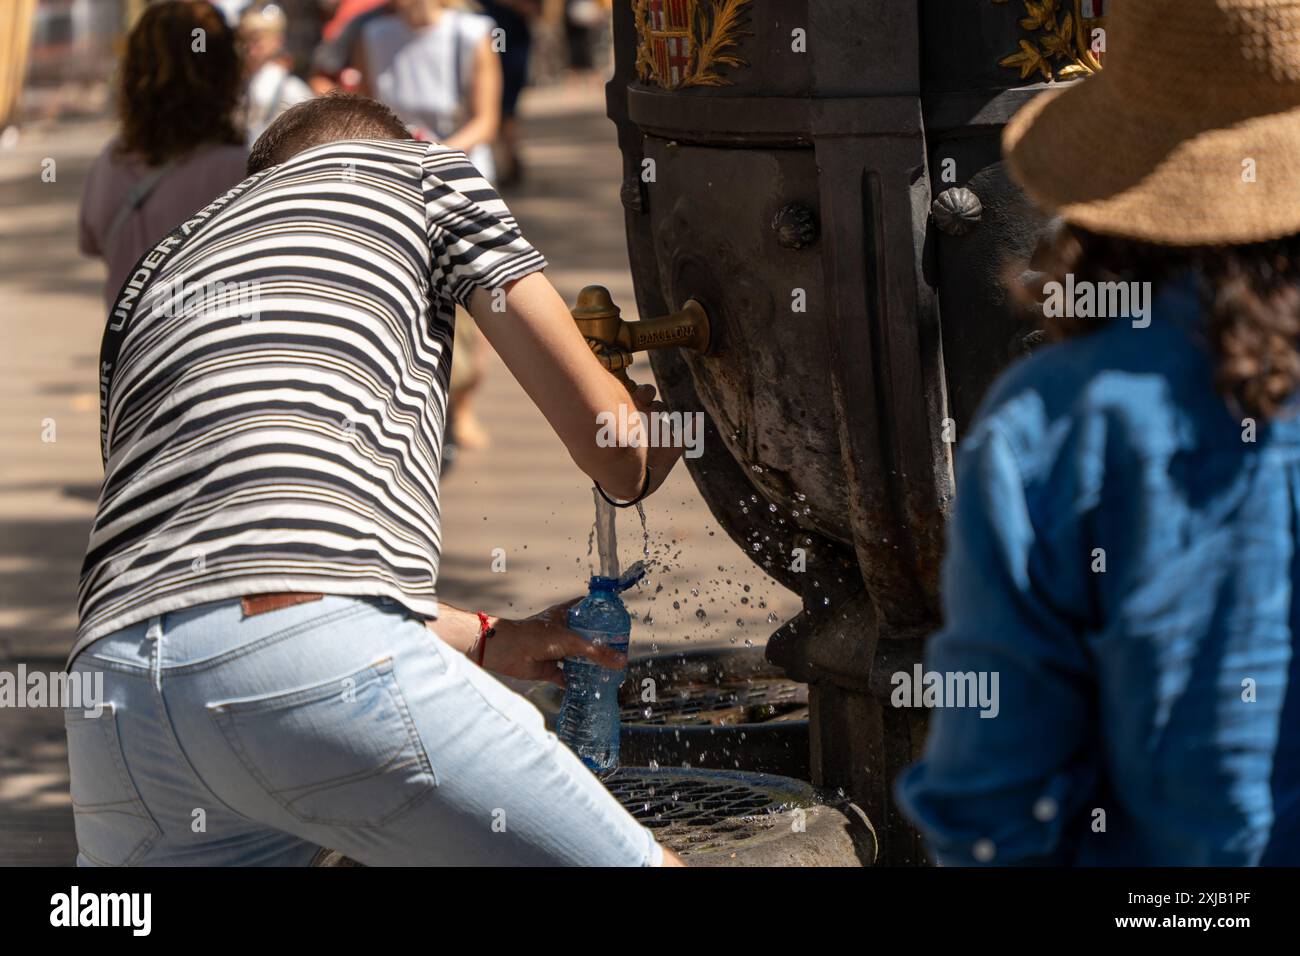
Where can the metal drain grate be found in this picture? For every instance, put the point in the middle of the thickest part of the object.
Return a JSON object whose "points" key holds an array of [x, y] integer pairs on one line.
{"points": [[721, 687], [693, 810], [749, 701]]}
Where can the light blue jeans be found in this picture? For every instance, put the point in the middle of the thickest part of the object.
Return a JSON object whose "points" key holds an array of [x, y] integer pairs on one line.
{"points": [[341, 723]]}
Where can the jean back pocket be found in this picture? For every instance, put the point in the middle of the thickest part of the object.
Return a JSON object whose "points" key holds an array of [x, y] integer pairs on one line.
{"points": [[343, 753], [113, 826]]}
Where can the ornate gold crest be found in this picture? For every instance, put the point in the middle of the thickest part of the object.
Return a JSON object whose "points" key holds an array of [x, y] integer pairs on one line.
{"points": [[683, 42], [1060, 42]]}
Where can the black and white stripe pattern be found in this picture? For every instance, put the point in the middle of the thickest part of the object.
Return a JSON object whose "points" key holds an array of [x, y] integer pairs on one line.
{"points": [[277, 399]]}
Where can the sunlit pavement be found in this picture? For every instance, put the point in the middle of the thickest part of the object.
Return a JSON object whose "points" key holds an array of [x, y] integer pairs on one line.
{"points": [[522, 495]]}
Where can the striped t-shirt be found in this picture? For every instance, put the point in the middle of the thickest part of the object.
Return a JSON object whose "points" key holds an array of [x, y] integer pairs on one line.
{"points": [[273, 385]]}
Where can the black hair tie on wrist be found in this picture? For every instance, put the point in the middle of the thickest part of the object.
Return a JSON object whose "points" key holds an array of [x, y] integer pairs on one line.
{"points": [[645, 489]]}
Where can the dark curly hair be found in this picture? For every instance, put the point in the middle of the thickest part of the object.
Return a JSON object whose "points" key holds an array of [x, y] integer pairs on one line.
{"points": [[171, 97], [1251, 296]]}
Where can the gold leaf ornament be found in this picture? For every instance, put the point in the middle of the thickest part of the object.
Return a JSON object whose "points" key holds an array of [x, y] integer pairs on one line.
{"points": [[1059, 44], [684, 42], [1027, 60]]}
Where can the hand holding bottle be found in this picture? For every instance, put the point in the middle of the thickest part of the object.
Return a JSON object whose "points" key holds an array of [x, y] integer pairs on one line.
{"points": [[532, 648]]}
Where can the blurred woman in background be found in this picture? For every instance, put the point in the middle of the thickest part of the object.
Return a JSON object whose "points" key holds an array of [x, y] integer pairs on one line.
{"points": [[434, 66], [180, 144]]}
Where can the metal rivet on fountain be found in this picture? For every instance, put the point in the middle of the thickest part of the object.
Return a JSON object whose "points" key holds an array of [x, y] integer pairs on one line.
{"points": [[795, 225], [957, 211]]}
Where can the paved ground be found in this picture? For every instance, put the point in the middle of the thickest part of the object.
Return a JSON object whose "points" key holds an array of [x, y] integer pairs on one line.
{"points": [[522, 495]]}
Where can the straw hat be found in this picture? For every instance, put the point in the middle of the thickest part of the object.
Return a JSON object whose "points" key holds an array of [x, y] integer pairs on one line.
{"points": [[1190, 135]]}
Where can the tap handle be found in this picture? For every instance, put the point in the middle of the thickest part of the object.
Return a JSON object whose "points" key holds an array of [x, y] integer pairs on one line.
{"points": [[616, 360]]}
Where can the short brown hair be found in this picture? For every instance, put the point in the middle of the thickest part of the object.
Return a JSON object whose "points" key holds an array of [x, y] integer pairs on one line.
{"points": [[172, 97], [326, 119]]}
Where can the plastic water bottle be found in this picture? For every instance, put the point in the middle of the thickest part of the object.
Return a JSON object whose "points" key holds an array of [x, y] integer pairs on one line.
{"points": [[589, 715]]}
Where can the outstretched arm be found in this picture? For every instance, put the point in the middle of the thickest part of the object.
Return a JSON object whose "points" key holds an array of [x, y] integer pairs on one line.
{"points": [[486, 265], [541, 345]]}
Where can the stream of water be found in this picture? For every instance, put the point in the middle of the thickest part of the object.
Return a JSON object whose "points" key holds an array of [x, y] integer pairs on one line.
{"points": [[603, 539], [606, 536]]}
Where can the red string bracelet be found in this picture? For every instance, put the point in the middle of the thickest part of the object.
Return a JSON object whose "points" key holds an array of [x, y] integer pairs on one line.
{"points": [[485, 630]]}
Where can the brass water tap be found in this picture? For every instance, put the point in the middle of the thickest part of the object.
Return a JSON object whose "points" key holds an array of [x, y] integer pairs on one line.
{"points": [[614, 340]]}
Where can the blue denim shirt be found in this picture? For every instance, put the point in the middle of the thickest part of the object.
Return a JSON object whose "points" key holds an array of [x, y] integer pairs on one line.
{"points": [[1124, 558]]}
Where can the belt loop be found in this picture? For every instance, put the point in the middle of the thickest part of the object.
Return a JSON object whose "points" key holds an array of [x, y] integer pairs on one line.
{"points": [[153, 633]]}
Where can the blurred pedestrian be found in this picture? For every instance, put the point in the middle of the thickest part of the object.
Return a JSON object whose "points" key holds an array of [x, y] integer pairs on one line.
{"points": [[514, 18], [582, 18], [1122, 564], [433, 64], [272, 89], [331, 63], [180, 144]]}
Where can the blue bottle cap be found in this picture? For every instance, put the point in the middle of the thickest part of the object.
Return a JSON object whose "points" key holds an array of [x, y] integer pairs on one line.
{"points": [[634, 574]]}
